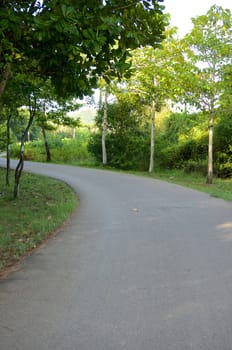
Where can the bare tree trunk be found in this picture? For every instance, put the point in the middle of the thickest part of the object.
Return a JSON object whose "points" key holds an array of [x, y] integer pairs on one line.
{"points": [[46, 145], [210, 150], [47, 149], [5, 77], [152, 144], [104, 130], [19, 168], [100, 99], [8, 151]]}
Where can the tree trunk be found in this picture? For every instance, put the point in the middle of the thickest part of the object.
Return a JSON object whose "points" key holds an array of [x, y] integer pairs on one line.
{"points": [[100, 99], [104, 130], [5, 77], [210, 150], [19, 168], [46, 145], [152, 144], [8, 151]]}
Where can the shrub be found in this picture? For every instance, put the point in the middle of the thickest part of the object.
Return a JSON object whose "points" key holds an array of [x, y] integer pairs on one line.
{"points": [[182, 155], [124, 151], [199, 166], [223, 163], [62, 150]]}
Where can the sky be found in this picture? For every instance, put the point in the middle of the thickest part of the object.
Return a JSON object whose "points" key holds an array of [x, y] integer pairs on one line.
{"points": [[182, 11]]}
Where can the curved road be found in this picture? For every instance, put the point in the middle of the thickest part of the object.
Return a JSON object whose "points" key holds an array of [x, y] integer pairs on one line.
{"points": [[143, 265]]}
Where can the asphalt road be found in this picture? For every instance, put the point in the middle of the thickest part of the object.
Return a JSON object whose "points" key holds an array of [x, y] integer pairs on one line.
{"points": [[142, 265]]}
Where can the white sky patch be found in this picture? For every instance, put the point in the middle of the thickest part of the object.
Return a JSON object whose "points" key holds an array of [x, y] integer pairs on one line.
{"points": [[182, 11]]}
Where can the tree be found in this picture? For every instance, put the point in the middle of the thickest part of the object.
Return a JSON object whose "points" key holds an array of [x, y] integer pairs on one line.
{"points": [[126, 139], [19, 168], [74, 42], [211, 48], [156, 76], [103, 104], [52, 112], [12, 98], [223, 128], [104, 128]]}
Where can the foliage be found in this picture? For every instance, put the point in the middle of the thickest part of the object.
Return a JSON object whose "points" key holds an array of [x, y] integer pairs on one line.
{"points": [[69, 44], [124, 151], [195, 71], [64, 150], [210, 50], [155, 79], [226, 96], [127, 139], [181, 144], [210, 43], [223, 164], [74, 41]]}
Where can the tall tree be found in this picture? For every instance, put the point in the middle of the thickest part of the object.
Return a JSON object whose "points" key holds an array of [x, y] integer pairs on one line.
{"points": [[156, 76], [103, 104], [211, 49], [127, 146], [12, 98], [32, 100], [52, 111], [104, 128]]}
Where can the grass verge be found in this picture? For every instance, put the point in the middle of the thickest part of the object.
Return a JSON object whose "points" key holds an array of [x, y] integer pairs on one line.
{"points": [[43, 205]]}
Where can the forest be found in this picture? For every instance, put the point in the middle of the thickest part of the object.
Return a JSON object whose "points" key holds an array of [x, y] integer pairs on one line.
{"points": [[163, 102]]}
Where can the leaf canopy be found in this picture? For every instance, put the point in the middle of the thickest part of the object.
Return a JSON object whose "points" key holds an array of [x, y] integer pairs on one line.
{"points": [[74, 42]]}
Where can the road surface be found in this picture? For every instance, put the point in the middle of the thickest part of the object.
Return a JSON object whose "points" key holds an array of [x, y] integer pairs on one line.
{"points": [[142, 265]]}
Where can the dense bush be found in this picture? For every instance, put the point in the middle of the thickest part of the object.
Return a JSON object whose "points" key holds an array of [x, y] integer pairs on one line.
{"points": [[188, 155], [128, 137], [223, 163], [124, 151], [180, 143], [66, 150]]}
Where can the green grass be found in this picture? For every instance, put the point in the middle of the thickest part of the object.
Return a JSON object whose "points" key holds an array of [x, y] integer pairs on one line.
{"points": [[63, 150], [43, 205]]}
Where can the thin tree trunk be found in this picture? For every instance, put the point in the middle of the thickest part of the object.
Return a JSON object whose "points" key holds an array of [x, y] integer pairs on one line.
{"points": [[8, 151], [210, 150], [104, 130], [152, 144], [5, 77], [19, 168], [46, 145], [100, 99], [47, 149]]}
